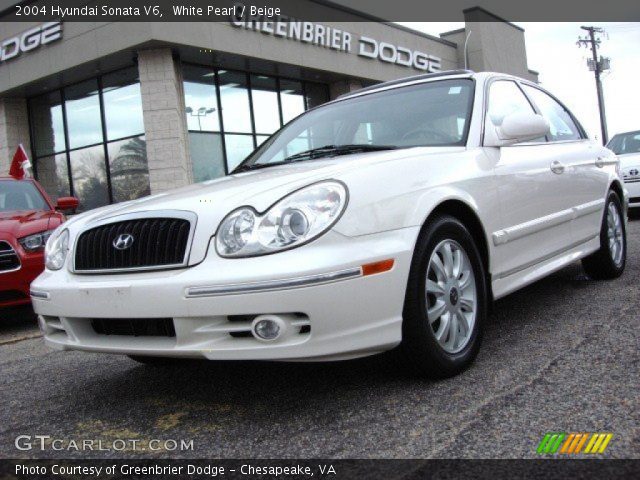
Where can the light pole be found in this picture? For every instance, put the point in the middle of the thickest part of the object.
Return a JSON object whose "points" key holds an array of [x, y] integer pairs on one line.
{"points": [[597, 67], [201, 112]]}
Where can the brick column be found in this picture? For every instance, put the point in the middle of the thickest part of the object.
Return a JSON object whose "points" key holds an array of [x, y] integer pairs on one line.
{"points": [[14, 130], [164, 120]]}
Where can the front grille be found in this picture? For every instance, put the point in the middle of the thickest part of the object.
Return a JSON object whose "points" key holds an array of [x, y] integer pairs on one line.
{"points": [[628, 179], [8, 257], [136, 327], [157, 243], [634, 199]]}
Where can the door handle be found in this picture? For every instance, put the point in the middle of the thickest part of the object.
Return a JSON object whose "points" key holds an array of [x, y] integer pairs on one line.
{"points": [[557, 167], [600, 162]]}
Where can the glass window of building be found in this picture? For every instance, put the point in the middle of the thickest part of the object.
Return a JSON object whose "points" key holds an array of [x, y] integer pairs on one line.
{"points": [[238, 148], [89, 176], [292, 98], [122, 104], [84, 123], [47, 124], [229, 113], [200, 99], [264, 94], [234, 96], [128, 168], [207, 156], [99, 163]]}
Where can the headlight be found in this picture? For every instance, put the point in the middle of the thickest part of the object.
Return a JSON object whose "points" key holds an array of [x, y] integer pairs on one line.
{"points": [[55, 253], [35, 242], [296, 219]]}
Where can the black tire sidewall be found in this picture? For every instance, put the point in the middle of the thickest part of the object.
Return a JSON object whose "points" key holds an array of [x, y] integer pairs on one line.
{"points": [[604, 237], [418, 337]]}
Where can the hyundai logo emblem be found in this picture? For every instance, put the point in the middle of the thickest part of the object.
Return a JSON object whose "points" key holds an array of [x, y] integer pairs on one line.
{"points": [[123, 241], [633, 172]]}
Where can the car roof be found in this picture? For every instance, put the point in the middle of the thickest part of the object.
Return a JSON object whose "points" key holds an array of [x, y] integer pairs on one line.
{"points": [[424, 78]]}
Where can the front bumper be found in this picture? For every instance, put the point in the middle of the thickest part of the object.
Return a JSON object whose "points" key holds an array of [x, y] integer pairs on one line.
{"points": [[633, 189], [14, 284], [212, 303]]}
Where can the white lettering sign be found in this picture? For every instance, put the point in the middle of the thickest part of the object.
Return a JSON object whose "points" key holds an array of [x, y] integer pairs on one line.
{"points": [[30, 40], [340, 40]]}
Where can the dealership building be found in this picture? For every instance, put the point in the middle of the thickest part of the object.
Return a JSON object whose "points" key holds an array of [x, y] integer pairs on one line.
{"points": [[114, 111]]}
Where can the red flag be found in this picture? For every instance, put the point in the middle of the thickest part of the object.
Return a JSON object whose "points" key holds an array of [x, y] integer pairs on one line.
{"points": [[20, 164]]}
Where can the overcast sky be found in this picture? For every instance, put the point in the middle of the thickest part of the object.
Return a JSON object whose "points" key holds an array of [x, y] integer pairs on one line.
{"points": [[552, 51]]}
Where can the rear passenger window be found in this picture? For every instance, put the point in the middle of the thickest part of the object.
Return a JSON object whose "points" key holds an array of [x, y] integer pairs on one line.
{"points": [[506, 98], [562, 126]]}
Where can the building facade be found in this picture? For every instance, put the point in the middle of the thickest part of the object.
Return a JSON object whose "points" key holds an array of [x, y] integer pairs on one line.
{"points": [[110, 112]]}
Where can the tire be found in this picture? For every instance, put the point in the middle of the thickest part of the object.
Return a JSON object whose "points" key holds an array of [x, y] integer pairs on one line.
{"points": [[609, 261], [156, 361], [426, 346]]}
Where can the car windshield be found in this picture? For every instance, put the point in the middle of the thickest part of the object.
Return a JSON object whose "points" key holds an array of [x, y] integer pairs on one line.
{"points": [[435, 113], [624, 143], [20, 195]]}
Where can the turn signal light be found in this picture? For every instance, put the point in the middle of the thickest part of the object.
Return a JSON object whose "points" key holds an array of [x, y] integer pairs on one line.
{"points": [[377, 267]]}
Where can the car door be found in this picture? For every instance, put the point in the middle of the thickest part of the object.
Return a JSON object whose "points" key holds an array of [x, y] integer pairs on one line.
{"points": [[587, 164], [532, 182]]}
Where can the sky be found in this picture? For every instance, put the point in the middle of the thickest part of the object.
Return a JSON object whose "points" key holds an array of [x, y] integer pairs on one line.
{"points": [[552, 51]]}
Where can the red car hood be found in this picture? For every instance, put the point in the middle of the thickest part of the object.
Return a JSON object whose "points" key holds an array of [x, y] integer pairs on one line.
{"points": [[21, 223]]}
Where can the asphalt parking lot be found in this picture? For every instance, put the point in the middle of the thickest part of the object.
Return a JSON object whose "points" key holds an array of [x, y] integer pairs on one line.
{"points": [[561, 356]]}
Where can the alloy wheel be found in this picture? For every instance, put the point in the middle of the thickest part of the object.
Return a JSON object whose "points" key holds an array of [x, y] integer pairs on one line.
{"points": [[451, 296], [615, 234]]}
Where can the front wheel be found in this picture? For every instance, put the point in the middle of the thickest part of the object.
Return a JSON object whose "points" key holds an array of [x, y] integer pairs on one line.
{"points": [[609, 261], [445, 304]]}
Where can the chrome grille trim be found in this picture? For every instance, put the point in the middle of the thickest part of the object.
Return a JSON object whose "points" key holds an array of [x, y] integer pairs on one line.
{"points": [[140, 216], [7, 254]]}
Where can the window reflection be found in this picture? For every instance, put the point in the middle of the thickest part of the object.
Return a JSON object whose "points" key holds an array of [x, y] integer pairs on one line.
{"points": [[235, 102], [122, 104], [264, 95], [82, 106], [292, 99], [206, 156], [89, 177], [201, 102], [47, 124], [238, 148], [129, 169], [54, 175]]}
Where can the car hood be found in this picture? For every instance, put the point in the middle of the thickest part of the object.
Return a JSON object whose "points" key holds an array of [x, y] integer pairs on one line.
{"points": [[18, 224], [213, 200], [629, 160]]}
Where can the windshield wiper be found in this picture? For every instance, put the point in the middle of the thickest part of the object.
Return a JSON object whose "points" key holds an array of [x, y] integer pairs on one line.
{"points": [[319, 152], [333, 150]]}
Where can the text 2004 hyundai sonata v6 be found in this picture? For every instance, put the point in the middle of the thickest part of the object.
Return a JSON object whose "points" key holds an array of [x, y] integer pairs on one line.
{"points": [[389, 217]]}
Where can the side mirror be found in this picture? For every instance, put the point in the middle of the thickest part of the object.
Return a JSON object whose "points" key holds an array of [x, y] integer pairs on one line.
{"points": [[516, 128], [67, 204]]}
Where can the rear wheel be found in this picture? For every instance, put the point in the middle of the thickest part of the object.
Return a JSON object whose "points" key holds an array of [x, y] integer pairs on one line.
{"points": [[609, 261], [445, 305]]}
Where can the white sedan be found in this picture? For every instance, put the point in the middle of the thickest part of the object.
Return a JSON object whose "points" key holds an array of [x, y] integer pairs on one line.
{"points": [[388, 218], [627, 147]]}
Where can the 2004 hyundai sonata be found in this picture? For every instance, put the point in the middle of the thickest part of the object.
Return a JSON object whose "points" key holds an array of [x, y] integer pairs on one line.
{"points": [[390, 217]]}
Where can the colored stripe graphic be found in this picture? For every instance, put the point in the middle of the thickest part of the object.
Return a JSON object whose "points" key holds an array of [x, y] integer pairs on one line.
{"points": [[573, 443]]}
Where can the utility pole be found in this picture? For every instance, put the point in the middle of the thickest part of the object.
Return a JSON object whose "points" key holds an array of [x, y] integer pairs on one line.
{"points": [[597, 67]]}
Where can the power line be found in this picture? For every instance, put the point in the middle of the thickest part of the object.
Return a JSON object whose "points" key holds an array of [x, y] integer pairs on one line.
{"points": [[597, 66]]}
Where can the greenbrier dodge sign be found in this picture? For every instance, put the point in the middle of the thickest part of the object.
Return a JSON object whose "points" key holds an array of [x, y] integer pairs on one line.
{"points": [[339, 40]]}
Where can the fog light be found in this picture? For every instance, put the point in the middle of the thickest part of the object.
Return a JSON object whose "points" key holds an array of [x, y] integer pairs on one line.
{"points": [[268, 327]]}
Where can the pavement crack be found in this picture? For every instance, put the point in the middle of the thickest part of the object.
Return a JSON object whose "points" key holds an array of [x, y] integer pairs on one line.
{"points": [[490, 401], [20, 339]]}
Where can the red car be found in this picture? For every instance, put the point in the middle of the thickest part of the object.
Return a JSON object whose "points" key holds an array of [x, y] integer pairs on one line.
{"points": [[27, 219]]}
